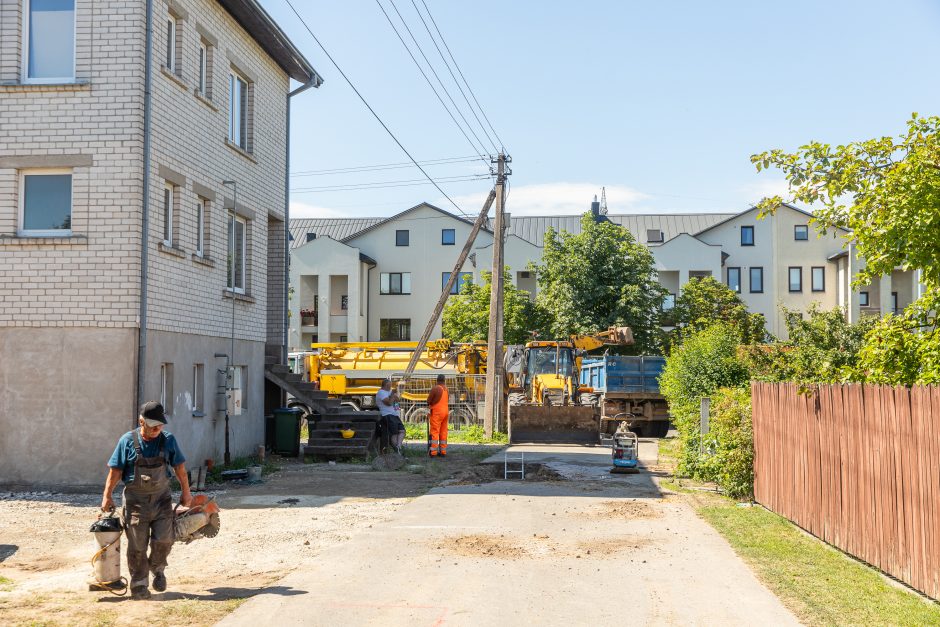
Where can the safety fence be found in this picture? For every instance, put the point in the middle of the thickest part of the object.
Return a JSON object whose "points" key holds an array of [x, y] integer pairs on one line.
{"points": [[857, 466], [465, 392]]}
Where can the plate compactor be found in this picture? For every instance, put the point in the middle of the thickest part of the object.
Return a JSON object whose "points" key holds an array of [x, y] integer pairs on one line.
{"points": [[625, 449]]}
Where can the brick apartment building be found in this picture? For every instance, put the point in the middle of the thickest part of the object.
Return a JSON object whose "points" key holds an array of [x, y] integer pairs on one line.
{"points": [[113, 211]]}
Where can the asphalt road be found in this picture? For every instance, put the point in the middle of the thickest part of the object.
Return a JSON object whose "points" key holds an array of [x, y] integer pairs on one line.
{"points": [[589, 549]]}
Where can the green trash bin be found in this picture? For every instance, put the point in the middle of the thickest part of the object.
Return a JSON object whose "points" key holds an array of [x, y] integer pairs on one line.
{"points": [[287, 431]]}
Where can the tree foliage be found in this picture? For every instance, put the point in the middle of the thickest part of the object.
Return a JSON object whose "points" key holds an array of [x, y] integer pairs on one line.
{"points": [[705, 361], [887, 191], [466, 316], [705, 301], [599, 278], [729, 445], [822, 348]]}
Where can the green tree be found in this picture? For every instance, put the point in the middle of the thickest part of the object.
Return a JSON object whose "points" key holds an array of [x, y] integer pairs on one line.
{"points": [[704, 301], [822, 348], [466, 316], [887, 192], [599, 278], [705, 362]]}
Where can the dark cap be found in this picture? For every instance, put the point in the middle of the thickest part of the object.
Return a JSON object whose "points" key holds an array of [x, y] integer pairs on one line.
{"points": [[152, 412]]}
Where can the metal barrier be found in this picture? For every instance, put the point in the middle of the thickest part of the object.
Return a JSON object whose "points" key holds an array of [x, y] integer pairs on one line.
{"points": [[466, 397]]}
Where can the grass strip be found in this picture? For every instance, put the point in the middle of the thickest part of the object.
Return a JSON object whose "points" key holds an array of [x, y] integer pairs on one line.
{"points": [[817, 582]]}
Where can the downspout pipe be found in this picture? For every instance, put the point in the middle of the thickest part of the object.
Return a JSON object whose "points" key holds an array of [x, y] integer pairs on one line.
{"points": [[315, 81], [145, 220]]}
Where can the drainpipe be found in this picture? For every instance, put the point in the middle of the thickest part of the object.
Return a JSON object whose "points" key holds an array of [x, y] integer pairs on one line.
{"points": [[315, 81], [145, 219]]}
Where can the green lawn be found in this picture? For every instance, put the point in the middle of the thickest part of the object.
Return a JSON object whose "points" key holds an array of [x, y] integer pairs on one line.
{"points": [[820, 584]]}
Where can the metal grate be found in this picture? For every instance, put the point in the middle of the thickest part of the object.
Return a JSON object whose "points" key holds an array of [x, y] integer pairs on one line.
{"points": [[466, 398]]}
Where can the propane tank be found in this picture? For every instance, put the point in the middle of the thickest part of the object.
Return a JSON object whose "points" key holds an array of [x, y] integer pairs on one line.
{"points": [[107, 559]]}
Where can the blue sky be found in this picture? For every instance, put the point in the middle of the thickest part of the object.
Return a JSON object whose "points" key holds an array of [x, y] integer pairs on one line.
{"points": [[661, 102]]}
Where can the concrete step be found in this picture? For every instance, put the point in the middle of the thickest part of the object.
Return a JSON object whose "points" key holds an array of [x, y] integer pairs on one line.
{"points": [[278, 368], [336, 451]]}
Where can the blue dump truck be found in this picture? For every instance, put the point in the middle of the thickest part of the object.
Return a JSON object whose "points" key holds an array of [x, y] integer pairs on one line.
{"points": [[626, 388]]}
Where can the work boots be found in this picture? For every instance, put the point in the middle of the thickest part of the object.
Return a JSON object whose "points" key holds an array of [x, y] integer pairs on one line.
{"points": [[141, 593], [159, 582]]}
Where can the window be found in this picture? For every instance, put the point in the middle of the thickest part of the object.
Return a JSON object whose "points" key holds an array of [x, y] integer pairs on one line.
{"points": [[734, 279], [463, 279], [747, 236], [49, 41], [202, 213], [818, 278], [172, 54], [894, 302], [448, 237], [344, 302], [757, 280], [169, 213], [311, 236], [394, 329], [801, 232], [401, 238], [238, 111], [344, 338], [166, 387], [395, 283], [796, 279], [198, 389], [203, 83], [46, 203], [654, 236], [669, 302], [236, 265], [863, 299]]}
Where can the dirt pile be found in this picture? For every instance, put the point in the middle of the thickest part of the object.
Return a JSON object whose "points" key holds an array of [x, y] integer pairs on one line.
{"points": [[624, 509], [481, 545]]}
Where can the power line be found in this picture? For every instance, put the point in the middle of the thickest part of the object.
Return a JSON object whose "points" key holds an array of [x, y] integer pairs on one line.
{"points": [[385, 166], [386, 185], [451, 54], [456, 82], [371, 110], [428, 80]]}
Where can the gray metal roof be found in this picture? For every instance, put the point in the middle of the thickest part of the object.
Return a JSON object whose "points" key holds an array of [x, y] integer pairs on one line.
{"points": [[256, 21], [533, 228], [337, 228]]}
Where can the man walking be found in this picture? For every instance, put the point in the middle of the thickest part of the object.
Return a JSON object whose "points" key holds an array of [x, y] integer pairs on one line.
{"points": [[437, 402], [390, 414], [142, 459]]}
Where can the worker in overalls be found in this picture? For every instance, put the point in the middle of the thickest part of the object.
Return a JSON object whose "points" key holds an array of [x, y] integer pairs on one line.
{"points": [[437, 403], [142, 460]]}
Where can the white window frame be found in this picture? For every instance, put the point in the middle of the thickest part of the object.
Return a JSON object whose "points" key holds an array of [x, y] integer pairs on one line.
{"points": [[25, 56], [21, 210], [203, 77], [172, 24], [201, 212], [234, 121], [169, 210], [166, 387], [198, 387], [232, 287]]}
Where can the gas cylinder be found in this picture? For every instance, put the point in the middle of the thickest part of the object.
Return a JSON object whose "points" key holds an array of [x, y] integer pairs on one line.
{"points": [[107, 559]]}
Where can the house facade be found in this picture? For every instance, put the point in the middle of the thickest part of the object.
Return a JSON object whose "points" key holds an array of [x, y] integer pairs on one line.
{"points": [[771, 262], [142, 225]]}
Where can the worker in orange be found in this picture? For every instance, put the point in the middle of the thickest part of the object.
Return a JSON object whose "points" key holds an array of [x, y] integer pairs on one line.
{"points": [[437, 402]]}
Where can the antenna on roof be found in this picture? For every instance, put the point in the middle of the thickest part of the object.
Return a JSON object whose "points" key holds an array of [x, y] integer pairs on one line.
{"points": [[603, 201]]}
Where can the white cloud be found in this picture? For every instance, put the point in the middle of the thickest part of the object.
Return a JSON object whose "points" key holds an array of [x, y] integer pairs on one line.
{"points": [[303, 210], [556, 199]]}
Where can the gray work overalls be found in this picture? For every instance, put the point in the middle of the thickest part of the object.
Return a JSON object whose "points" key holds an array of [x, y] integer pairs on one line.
{"points": [[148, 514]]}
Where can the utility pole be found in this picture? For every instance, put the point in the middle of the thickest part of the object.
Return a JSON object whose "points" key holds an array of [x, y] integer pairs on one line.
{"points": [[494, 344]]}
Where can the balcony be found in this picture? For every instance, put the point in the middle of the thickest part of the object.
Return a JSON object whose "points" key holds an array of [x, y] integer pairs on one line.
{"points": [[309, 320]]}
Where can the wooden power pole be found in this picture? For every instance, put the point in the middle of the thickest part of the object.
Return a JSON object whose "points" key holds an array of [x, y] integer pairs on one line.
{"points": [[494, 344]]}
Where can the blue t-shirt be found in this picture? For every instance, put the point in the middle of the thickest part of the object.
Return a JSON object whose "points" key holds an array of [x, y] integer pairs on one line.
{"points": [[125, 455]]}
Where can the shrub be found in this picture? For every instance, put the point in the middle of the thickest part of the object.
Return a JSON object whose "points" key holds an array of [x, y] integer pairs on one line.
{"points": [[730, 442], [705, 362]]}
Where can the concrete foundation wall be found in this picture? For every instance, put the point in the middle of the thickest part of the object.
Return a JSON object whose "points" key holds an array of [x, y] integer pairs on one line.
{"points": [[203, 437], [66, 396]]}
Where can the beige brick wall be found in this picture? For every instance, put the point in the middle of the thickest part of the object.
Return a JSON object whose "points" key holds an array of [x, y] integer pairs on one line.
{"points": [[90, 279], [189, 139]]}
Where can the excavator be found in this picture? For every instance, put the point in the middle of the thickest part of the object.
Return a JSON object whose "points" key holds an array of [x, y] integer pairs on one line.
{"points": [[544, 392]]}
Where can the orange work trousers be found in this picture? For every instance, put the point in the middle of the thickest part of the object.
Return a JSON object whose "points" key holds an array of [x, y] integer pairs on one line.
{"points": [[438, 434]]}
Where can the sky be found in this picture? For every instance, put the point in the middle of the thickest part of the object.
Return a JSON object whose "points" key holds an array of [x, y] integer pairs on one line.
{"points": [[660, 102]]}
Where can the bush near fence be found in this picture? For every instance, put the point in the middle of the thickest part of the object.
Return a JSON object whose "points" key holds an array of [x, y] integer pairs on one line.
{"points": [[857, 466]]}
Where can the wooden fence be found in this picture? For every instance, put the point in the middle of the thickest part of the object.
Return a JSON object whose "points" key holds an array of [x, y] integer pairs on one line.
{"points": [[857, 466]]}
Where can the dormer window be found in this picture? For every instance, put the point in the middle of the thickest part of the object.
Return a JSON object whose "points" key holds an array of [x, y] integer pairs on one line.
{"points": [[311, 236], [654, 236]]}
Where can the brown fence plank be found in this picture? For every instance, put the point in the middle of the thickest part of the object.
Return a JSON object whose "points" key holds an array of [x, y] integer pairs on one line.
{"points": [[858, 466]]}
